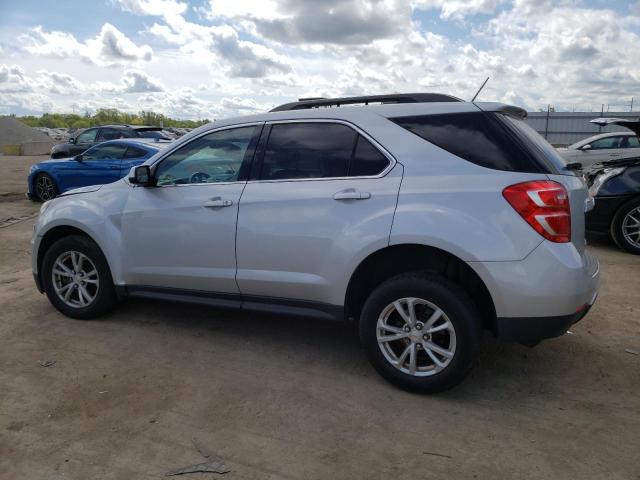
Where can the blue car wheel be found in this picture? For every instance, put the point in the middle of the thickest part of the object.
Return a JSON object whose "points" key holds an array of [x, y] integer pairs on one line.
{"points": [[45, 187]]}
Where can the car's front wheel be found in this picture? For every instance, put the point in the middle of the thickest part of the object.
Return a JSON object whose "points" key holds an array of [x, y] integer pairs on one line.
{"points": [[76, 278], [625, 227], [420, 332], [45, 187]]}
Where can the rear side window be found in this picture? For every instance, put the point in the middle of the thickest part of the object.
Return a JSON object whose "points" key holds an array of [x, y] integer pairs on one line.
{"points": [[319, 150], [110, 134], [152, 134], [491, 140], [367, 159], [134, 152]]}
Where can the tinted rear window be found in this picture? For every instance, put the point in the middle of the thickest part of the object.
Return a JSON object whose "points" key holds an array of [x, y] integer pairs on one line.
{"points": [[367, 159], [308, 150], [134, 152], [491, 140], [152, 134]]}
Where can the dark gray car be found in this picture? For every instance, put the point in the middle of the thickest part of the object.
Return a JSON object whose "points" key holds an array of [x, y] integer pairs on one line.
{"points": [[89, 137]]}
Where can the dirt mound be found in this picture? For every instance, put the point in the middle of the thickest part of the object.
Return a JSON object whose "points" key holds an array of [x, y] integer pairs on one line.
{"points": [[14, 132]]}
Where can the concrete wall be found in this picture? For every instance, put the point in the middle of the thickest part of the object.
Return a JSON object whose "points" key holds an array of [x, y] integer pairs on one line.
{"points": [[565, 128]]}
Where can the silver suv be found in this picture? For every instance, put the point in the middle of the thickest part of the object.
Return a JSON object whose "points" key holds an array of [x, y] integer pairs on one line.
{"points": [[424, 219]]}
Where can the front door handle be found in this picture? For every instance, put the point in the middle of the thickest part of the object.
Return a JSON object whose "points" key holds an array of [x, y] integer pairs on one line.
{"points": [[217, 202], [351, 194]]}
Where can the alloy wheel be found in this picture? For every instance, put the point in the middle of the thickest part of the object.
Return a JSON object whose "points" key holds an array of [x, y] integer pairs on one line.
{"points": [[45, 188], [75, 279], [631, 227], [416, 336]]}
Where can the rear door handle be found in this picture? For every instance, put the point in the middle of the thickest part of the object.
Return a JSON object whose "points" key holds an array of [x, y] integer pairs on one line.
{"points": [[351, 194], [217, 202]]}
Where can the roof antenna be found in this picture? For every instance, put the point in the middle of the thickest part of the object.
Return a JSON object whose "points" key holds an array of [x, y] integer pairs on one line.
{"points": [[479, 90]]}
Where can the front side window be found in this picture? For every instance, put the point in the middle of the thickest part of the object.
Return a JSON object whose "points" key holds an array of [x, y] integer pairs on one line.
{"points": [[608, 142], [88, 136], [104, 152], [216, 157]]}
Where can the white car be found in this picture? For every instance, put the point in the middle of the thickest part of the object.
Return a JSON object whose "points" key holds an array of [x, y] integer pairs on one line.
{"points": [[606, 146]]}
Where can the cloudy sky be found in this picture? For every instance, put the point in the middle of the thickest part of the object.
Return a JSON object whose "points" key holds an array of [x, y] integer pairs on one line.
{"points": [[216, 58]]}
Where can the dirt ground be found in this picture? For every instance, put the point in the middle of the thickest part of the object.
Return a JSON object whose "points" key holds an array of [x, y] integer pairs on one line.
{"points": [[282, 398]]}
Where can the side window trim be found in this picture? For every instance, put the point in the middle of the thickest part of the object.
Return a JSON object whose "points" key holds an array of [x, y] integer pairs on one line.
{"points": [[256, 136], [257, 167]]}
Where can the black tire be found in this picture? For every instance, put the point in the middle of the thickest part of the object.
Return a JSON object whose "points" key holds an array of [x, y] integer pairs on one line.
{"points": [[44, 187], [105, 297], [617, 226], [450, 299]]}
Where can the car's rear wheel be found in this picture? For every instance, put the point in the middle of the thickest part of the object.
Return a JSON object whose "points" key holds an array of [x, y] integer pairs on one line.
{"points": [[420, 332], [76, 278], [625, 227], [44, 187]]}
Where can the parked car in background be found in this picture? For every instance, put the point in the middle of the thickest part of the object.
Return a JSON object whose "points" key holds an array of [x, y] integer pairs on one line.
{"points": [[615, 187], [92, 136], [103, 163], [605, 146], [424, 221]]}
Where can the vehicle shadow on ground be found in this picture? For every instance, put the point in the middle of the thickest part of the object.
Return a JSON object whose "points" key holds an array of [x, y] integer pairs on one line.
{"points": [[503, 369]]}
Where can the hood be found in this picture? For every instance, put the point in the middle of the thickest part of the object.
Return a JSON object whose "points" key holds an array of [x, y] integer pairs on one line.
{"points": [[75, 191], [632, 124]]}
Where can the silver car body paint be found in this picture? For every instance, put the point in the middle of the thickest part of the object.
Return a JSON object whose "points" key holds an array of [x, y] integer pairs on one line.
{"points": [[295, 241], [575, 153]]}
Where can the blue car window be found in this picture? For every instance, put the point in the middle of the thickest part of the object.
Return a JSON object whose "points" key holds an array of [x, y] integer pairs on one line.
{"points": [[102, 152], [135, 152]]}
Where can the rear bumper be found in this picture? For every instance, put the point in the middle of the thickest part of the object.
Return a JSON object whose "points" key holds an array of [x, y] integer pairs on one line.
{"points": [[542, 295], [532, 330]]}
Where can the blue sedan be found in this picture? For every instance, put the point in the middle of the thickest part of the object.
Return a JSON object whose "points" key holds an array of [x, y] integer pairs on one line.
{"points": [[103, 163]]}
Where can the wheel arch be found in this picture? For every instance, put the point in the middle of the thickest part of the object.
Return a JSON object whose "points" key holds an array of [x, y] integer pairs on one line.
{"points": [[404, 258], [56, 233]]}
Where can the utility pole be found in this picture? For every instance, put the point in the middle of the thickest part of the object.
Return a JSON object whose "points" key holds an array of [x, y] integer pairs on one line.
{"points": [[546, 125], [631, 105]]}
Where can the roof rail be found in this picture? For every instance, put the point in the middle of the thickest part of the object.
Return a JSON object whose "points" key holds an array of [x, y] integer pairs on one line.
{"points": [[305, 103]]}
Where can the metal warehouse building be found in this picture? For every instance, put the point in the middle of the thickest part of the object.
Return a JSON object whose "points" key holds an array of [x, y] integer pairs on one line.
{"points": [[565, 128]]}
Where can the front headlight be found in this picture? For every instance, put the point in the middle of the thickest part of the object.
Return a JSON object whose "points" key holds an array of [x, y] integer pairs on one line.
{"points": [[602, 177]]}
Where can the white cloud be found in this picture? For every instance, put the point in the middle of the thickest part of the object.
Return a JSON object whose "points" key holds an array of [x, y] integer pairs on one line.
{"points": [[242, 56], [13, 79], [133, 81], [152, 7], [317, 22], [109, 47], [458, 9]]}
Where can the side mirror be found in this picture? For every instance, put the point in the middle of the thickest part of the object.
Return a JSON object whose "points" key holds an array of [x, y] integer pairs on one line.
{"points": [[585, 147], [78, 158], [141, 175], [72, 140]]}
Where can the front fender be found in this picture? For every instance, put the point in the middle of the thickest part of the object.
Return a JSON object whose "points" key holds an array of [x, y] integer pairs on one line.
{"points": [[97, 214]]}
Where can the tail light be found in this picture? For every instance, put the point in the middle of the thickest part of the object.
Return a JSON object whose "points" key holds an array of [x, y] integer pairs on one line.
{"points": [[544, 205]]}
